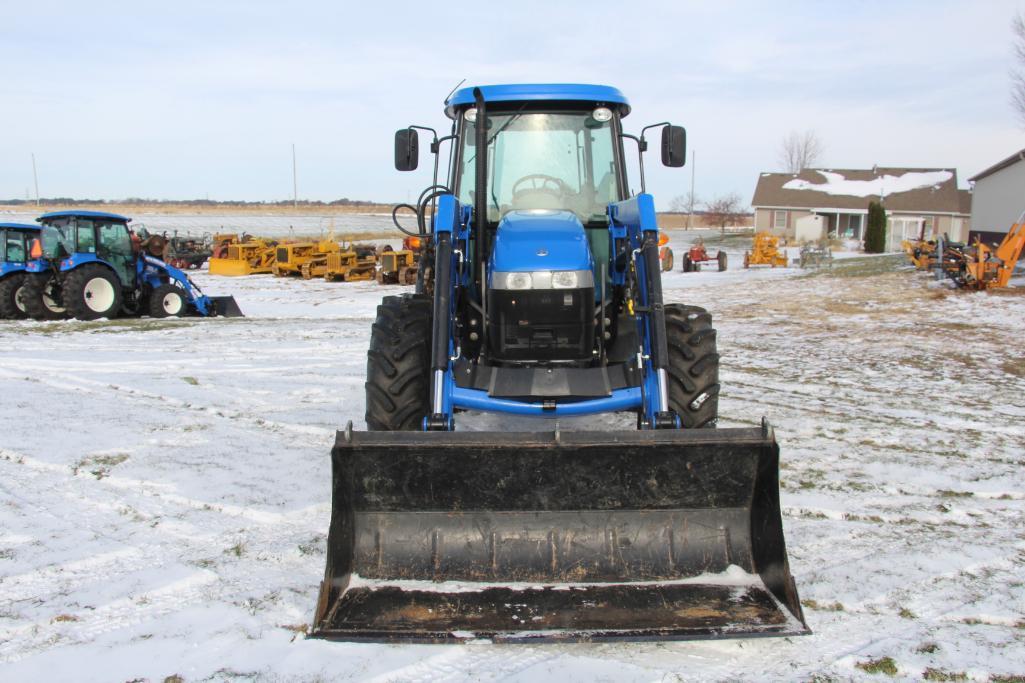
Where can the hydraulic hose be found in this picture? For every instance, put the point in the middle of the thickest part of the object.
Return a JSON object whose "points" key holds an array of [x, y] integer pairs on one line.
{"points": [[420, 210]]}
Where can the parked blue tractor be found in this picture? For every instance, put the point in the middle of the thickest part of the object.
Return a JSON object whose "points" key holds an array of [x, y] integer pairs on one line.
{"points": [[541, 296], [15, 242], [88, 265]]}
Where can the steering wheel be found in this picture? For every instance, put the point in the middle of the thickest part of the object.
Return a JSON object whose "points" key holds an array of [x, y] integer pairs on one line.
{"points": [[540, 182]]}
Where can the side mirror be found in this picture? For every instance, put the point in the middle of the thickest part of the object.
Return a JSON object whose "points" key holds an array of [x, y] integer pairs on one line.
{"points": [[407, 149], [674, 146]]}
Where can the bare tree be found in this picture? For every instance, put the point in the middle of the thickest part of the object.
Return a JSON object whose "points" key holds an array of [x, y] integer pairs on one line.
{"points": [[684, 203], [799, 151], [725, 210], [1018, 73]]}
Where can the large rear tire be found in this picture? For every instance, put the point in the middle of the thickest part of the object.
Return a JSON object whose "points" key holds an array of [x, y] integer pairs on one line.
{"points": [[11, 305], [92, 292], [41, 297], [693, 365], [399, 364]]}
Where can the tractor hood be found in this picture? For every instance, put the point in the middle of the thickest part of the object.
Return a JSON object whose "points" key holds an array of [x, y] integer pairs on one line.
{"points": [[539, 240]]}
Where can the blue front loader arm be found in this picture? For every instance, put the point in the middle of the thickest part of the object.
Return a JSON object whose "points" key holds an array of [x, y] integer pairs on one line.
{"points": [[630, 220]]}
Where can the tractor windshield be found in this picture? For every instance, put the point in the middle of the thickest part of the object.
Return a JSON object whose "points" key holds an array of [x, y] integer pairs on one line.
{"points": [[544, 161]]}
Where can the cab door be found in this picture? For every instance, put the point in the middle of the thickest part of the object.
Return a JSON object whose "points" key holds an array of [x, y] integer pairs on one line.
{"points": [[114, 245]]}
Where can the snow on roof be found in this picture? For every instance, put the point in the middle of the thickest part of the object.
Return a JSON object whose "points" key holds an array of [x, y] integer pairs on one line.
{"points": [[884, 185]]}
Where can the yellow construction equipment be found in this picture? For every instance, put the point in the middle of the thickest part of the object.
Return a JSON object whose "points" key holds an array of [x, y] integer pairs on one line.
{"points": [[291, 258], [765, 252], [981, 266], [252, 257], [399, 267], [921, 253], [355, 263], [219, 243]]}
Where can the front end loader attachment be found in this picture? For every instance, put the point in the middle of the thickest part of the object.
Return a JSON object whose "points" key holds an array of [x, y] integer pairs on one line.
{"points": [[646, 535], [225, 306]]}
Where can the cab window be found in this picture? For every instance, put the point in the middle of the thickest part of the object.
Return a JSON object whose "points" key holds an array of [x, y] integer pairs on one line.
{"points": [[114, 239], [86, 236], [15, 244]]}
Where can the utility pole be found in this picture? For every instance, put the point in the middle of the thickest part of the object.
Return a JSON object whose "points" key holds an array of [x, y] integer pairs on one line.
{"points": [[295, 182], [35, 178], [693, 164]]}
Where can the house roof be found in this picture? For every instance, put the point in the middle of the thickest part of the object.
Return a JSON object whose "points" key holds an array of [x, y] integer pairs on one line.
{"points": [[999, 166], [965, 201], [899, 189]]}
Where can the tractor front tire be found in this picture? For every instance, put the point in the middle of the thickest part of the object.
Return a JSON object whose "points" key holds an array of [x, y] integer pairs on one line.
{"points": [[40, 298], [12, 307], [693, 365], [167, 300], [399, 364], [721, 258], [687, 265], [91, 292]]}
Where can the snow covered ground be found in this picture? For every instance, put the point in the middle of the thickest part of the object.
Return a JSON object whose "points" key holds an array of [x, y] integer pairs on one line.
{"points": [[165, 486]]}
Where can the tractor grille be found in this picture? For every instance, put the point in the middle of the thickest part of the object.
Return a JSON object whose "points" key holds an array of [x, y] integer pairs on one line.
{"points": [[282, 255]]}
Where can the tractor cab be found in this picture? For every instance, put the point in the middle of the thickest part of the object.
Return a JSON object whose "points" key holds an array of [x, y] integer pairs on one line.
{"points": [[15, 243], [544, 156], [71, 237]]}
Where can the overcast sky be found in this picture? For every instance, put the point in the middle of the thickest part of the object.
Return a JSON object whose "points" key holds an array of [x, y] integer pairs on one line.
{"points": [[190, 99]]}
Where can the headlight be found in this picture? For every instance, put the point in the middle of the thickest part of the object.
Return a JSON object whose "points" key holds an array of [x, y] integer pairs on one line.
{"points": [[470, 114], [543, 279], [602, 114], [565, 279], [515, 281]]}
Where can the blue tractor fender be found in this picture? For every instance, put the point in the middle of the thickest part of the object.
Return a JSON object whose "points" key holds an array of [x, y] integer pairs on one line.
{"points": [[8, 267], [37, 266], [79, 260]]}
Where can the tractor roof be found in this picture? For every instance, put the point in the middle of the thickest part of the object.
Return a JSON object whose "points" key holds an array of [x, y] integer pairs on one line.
{"points": [[541, 92], [20, 226], [84, 214]]}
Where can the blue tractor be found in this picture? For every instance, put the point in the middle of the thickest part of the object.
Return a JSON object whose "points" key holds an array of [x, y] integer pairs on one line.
{"points": [[90, 265], [541, 296], [15, 242]]}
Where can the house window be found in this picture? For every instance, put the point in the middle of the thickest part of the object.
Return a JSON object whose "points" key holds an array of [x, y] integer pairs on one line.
{"points": [[779, 220], [927, 226], [853, 227]]}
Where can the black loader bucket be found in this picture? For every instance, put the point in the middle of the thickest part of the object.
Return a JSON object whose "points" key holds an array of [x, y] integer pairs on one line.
{"points": [[646, 535], [225, 306]]}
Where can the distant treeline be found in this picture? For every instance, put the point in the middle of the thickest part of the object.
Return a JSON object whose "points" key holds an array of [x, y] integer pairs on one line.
{"points": [[139, 201]]}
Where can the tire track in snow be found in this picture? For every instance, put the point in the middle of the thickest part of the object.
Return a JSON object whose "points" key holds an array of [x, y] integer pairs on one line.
{"points": [[94, 387], [31, 639]]}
